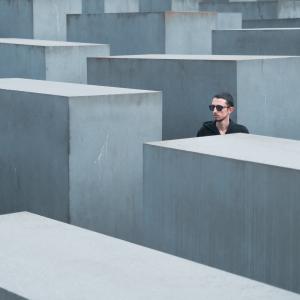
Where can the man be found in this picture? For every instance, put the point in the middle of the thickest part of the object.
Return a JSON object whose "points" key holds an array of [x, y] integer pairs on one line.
{"points": [[222, 106]]}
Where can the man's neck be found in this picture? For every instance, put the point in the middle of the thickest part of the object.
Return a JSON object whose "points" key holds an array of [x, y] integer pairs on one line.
{"points": [[223, 125]]}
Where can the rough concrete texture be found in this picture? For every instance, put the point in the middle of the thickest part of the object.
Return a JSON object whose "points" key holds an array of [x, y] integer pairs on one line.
{"points": [[249, 10], [110, 6], [119, 6], [188, 82], [272, 109], [272, 23], [74, 152], [288, 8], [45, 259], [216, 201], [258, 41], [50, 18], [138, 33], [168, 5], [50, 60]]}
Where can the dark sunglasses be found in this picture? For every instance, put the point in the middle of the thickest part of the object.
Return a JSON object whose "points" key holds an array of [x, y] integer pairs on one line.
{"points": [[218, 107]]}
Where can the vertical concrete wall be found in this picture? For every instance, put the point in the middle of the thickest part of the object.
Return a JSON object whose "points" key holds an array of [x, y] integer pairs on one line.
{"points": [[264, 88], [51, 60], [272, 23], [229, 21], [169, 32], [39, 19], [249, 10], [273, 111], [259, 41], [22, 61], [110, 6], [185, 5], [187, 83], [93, 6], [106, 182], [16, 18], [216, 201], [74, 152], [34, 158], [288, 8], [68, 62], [50, 18], [189, 33], [126, 33]]}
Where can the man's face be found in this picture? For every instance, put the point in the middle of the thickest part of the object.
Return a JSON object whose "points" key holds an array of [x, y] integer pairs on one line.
{"points": [[224, 113]]}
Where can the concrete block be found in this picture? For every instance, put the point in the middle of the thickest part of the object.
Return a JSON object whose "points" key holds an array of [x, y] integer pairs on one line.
{"points": [[188, 82], [39, 19], [74, 152], [288, 9], [168, 5], [110, 6], [45, 259], [138, 33], [231, 202], [258, 41], [272, 109], [249, 10], [16, 18], [272, 23], [122, 6], [50, 60]]}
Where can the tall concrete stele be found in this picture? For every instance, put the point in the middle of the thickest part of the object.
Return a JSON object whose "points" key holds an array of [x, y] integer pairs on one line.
{"points": [[231, 202], [264, 87], [74, 152], [46, 19], [47, 60], [156, 32]]}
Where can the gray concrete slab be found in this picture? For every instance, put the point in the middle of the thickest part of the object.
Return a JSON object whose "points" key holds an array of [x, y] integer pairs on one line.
{"points": [[227, 201], [188, 82], [39, 19], [50, 60], [45, 259], [74, 152], [138, 33], [110, 6], [288, 8], [21, 12], [273, 110], [249, 10], [168, 5], [258, 41], [119, 6], [272, 23]]}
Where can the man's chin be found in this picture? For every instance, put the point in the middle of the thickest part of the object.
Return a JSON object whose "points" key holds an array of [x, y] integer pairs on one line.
{"points": [[218, 119]]}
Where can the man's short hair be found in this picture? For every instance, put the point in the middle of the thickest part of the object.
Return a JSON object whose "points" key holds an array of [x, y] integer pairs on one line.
{"points": [[228, 97]]}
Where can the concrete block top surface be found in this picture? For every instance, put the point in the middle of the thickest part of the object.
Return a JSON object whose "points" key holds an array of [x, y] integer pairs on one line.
{"points": [[45, 259], [246, 147], [195, 57], [44, 43], [63, 89]]}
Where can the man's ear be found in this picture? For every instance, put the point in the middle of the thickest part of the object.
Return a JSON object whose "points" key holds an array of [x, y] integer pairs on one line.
{"points": [[231, 109]]}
